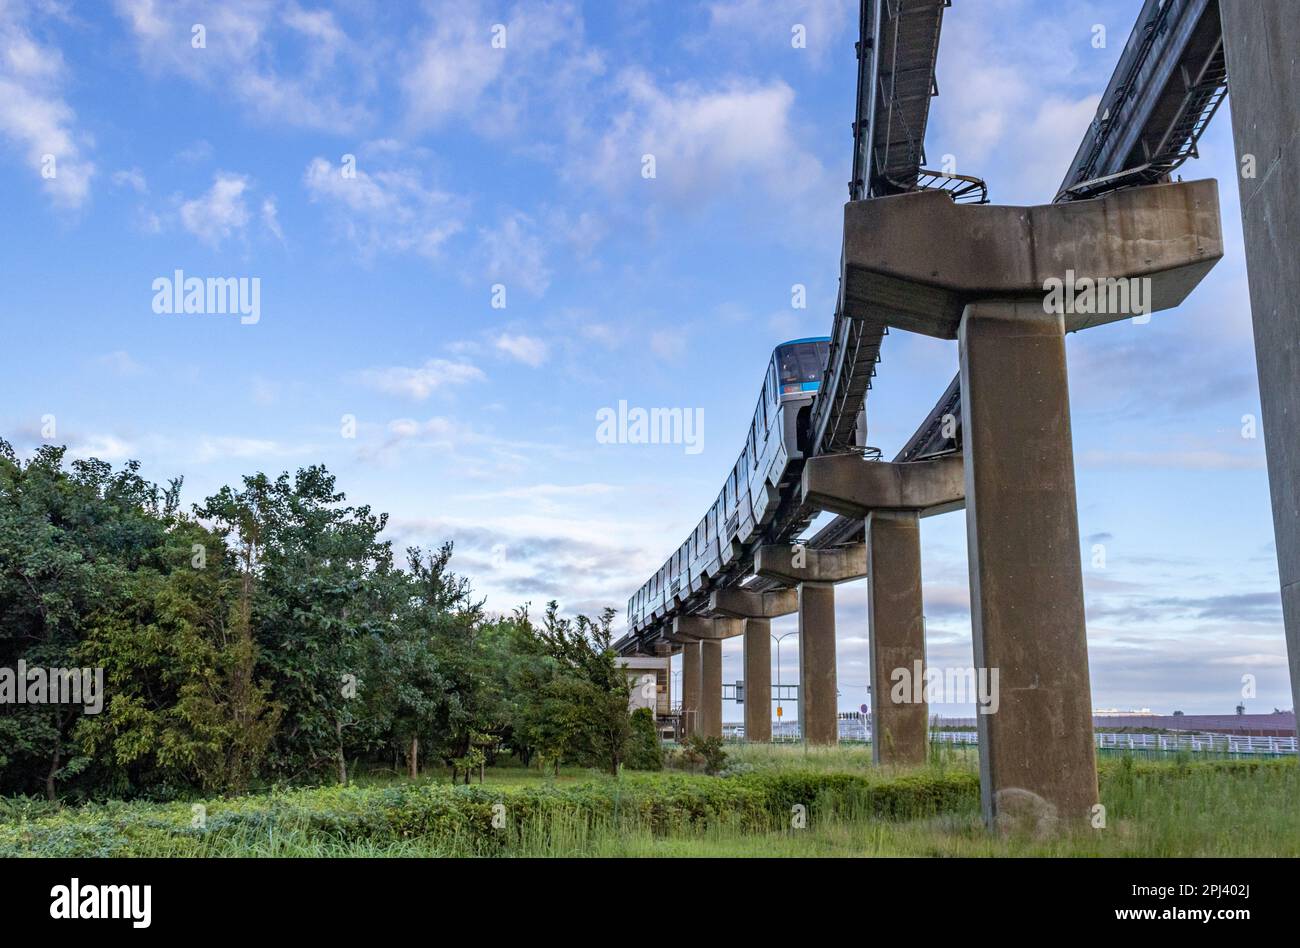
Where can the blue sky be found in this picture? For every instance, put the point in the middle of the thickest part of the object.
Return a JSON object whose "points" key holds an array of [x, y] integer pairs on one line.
{"points": [[522, 166]]}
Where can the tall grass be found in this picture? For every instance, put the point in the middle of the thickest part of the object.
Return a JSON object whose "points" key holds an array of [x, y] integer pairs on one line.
{"points": [[1173, 808]]}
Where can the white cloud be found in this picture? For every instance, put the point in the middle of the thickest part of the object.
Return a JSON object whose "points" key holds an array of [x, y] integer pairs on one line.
{"points": [[539, 77], [668, 344], [514, 253], [420, 382], [1203, 459], [271, 218], [120, 362], [220, 213], [383, 209], [220, 447], [1016, 101], [605, 334], [106, 447], [742, 22], [34, 116], [200, 150], [132, 178], [454, 66], [705, 140], [243, 57], [525, 349], [1048, 144]]}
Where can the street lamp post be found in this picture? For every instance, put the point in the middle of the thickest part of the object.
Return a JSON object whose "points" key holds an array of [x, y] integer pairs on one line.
{"points": [[778, 669]]}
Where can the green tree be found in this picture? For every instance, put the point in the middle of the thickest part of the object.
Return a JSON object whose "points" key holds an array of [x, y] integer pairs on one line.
{"points": [[176, 662], [70, 541], [584, 711], [645, 751], [314, 585]]}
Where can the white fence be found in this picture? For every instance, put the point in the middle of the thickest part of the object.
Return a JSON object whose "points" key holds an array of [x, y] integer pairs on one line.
{"points": [[1198, 743]]}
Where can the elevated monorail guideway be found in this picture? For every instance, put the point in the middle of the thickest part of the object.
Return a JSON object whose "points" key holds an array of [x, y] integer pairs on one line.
{"points": [[897, 49], [1168, 84], [1166, 88]]}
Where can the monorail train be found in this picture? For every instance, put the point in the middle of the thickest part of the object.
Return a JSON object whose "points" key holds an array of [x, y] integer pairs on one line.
{"points": [[772, 456]]}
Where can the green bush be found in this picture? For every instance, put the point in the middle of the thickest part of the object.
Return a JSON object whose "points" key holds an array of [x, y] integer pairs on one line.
{"points": [[644, 751], [440, 819], [704, 753], [470, 820]]}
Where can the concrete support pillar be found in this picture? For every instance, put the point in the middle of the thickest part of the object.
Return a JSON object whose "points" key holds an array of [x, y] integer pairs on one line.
{"points": [[992, 277], [1260, 38], [711, 688], [758, 679], [818, 703], [691, 686], [899, 729], [1037, 757]]}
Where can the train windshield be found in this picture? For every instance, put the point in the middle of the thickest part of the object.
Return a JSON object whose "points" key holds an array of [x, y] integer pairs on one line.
{"points": [[800, 365]]}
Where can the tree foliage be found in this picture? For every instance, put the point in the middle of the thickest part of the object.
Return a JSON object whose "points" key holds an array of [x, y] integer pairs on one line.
{"points": [[268, 636]]}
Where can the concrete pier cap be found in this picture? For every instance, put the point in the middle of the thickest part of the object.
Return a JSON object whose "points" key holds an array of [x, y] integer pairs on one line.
{"points": [[752, 604], [794, 563], [915, 260], [705, 628], [848, 485]]}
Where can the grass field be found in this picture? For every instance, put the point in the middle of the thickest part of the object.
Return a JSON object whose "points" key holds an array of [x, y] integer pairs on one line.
{"points": [[1176, 807]]}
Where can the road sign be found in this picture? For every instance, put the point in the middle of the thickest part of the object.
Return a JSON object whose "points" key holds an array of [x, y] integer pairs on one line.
{"points": [[864, 709]]}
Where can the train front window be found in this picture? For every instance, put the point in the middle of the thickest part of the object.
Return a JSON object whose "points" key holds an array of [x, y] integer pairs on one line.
{"points": [[800, 366]]}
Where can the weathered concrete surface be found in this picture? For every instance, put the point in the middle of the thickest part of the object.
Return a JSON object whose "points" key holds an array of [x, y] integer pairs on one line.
{"points": [[748, 604], [782, 561], [705, 627], [758, 678], [691, 685], [846, 484], [900, 729], [1262, 39], [818, 705], [1037, 758], [711, 687], [915, 260]]}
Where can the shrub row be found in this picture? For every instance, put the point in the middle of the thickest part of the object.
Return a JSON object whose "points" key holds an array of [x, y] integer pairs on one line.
{"points": [[468, 819], [461, 820]]}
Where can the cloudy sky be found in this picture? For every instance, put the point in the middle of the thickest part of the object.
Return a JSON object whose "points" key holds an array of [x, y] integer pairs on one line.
{"points": [[387, 171]]}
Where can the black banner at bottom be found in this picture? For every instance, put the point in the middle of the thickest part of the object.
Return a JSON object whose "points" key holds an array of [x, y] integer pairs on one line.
{"points": [[337, 897]]}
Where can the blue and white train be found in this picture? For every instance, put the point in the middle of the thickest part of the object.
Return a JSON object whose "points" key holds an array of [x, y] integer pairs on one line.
{"points": [[772, 458]]}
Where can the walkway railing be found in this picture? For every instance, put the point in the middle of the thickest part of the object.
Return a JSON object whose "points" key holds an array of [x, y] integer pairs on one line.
{"points": [[1197, 743]]}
